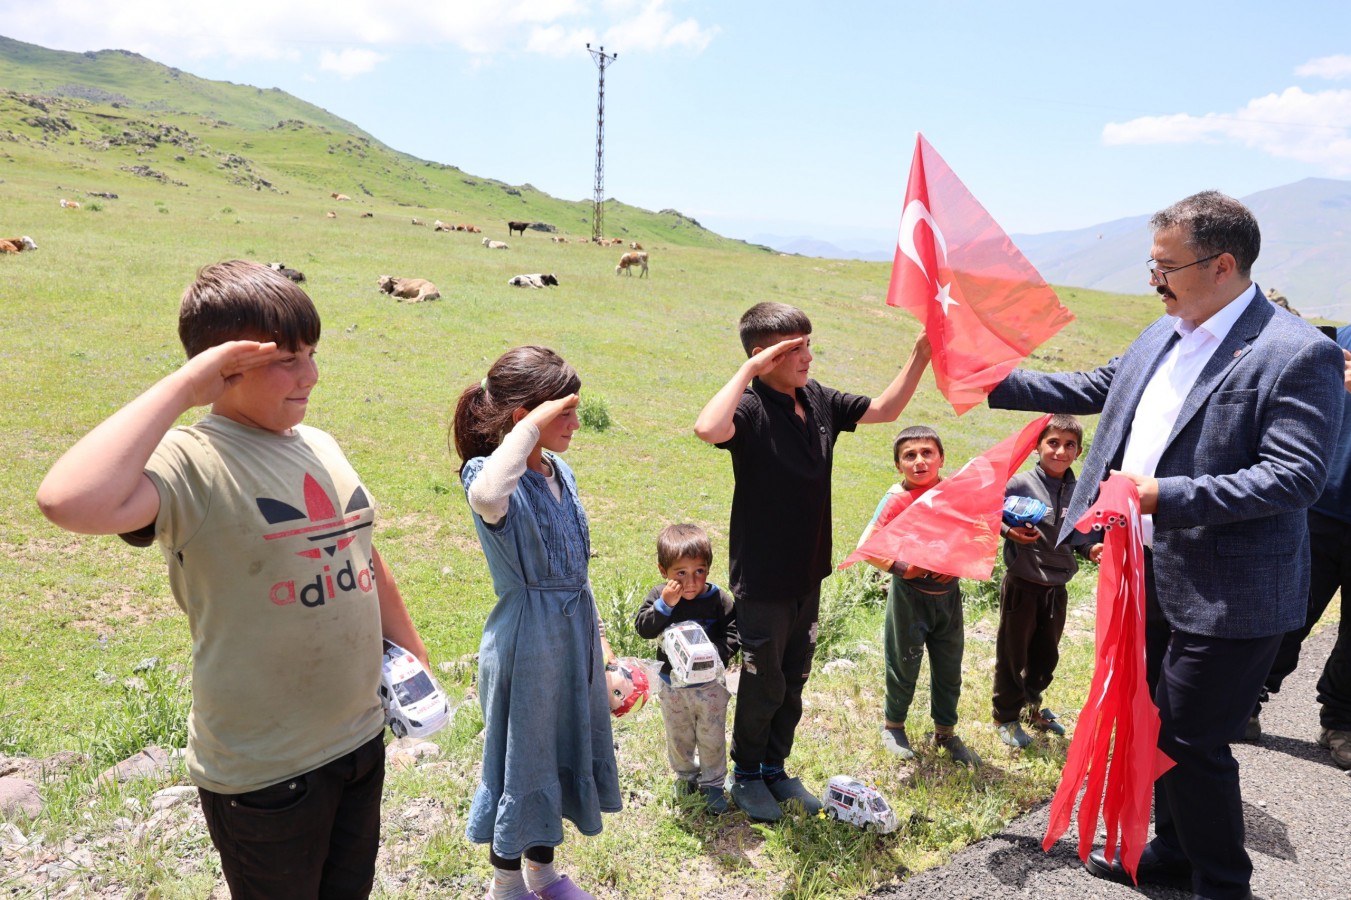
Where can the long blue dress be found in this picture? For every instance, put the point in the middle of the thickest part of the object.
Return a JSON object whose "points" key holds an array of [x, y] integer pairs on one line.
{"points": [[548, 753]]}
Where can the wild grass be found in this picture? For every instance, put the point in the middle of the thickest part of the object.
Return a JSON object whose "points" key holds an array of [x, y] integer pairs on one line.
{"points": [[89, 322]]}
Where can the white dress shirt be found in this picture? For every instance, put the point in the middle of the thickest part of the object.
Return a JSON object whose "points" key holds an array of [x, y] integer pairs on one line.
{"points": [[1169, 386]]}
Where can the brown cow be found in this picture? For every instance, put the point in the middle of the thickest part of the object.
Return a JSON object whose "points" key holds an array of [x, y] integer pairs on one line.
{"points": [[629, 260], [336, 196], [17, 244], [409, 290], [634, 245]]}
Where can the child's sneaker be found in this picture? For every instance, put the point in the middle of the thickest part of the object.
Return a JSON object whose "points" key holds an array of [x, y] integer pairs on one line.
{"points": [[685, 788], [957, 751], [754, 799], [563, 889], [715, 799], [787, 790], [895, 741], [1012, 734], [1045, 720]]}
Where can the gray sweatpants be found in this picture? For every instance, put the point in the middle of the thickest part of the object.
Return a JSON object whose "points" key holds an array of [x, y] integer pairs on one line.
{"points": [[696, 731]]}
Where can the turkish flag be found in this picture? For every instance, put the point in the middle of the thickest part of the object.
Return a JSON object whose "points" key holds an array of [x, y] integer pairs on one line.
{"points": [[953, 527], [983, 305], [1117, 771]]}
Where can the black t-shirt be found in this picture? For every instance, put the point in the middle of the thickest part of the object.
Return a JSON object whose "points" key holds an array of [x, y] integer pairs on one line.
{"points": [[780, 533]]}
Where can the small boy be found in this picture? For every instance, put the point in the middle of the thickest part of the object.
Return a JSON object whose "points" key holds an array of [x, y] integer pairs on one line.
{"points": [[924, 611], [1032, 596], [780, 427], [266, 530], [695, 715]]}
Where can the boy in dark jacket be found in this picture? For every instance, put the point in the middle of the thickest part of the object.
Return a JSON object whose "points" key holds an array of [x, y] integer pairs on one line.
{"points": [[695, 715], [1032, 596]]}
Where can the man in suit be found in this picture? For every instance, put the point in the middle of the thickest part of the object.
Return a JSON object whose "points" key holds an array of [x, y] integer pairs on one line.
{"points": [[1220, 412]]}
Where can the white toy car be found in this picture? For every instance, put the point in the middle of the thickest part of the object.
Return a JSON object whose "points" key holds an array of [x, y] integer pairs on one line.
{"points": [[854, 802], [414, 705], [693, 657]]}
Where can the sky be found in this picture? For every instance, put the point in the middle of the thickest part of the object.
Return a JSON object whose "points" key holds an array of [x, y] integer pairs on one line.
{"points": [[791, 118]]}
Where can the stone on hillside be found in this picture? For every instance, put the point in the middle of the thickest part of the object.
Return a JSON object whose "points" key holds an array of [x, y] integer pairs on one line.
{"points": [[173, 796], [11, 838], [150, 762], [839, 665], [19, 795], [404, 752]]}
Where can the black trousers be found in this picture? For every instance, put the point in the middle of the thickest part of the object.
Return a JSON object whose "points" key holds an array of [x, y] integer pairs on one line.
{"points": [[1329, 570], [1027, 645], [1205, 688], [778, 640], [312, 836]]}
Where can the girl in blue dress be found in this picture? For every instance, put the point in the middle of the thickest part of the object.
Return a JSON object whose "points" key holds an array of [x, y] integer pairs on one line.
{"points": [[547, 752]]}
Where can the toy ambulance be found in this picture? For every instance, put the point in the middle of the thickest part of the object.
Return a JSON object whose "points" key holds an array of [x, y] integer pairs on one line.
{"points": [[693, 657], [854, 802], [1020, 511], [414, 705]]}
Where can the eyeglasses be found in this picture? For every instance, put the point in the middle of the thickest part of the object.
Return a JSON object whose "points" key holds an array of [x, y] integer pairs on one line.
{"points": [[1160, 274]]}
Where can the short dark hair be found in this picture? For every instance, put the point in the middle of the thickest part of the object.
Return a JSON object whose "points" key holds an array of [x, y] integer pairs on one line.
{"points": [[915, 433], [771, 320], [684, 541], [1214, 223], [1063, 422], [241, 300]]}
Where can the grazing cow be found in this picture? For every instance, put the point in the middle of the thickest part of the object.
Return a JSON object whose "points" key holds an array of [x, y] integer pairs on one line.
{"points": [[513, 227], [629, 260], [17, 244], [368, 215], [495, 245], [409, 290], [69, 204], [294, 274], [634, 245], [330, 215], [336, 196], [533, 281], [417, 221]]}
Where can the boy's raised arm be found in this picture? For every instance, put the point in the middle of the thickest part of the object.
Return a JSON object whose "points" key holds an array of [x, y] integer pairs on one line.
{"points": [[888, 406], [715, 422], [99, 485]]}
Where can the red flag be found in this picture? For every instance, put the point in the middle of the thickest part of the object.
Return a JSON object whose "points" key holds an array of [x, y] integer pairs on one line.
{"points": [[983, 305], [1118, 699], [953, 527]]}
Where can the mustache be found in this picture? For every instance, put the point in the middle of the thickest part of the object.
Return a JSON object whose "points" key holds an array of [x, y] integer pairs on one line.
{"points": [[1163, 291]]}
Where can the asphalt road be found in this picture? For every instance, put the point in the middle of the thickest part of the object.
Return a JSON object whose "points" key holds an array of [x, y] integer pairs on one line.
{"points": [[1297, 809]]}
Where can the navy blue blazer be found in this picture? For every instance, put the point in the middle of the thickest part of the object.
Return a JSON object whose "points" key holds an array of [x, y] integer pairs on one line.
{"points": [[1245, 459]]}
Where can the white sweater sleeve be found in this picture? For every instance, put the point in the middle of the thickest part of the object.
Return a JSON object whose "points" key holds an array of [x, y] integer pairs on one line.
{"points": [[490, 494]]}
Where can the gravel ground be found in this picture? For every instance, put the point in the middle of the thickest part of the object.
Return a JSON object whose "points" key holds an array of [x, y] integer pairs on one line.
{"points": [[1296, 808]]}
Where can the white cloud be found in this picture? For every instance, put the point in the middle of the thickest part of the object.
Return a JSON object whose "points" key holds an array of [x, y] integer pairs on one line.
{"points": [[348, 34], [1312, 128], [1334, 68], [350, 61]]}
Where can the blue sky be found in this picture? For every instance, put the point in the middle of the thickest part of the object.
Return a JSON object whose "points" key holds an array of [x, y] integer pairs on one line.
{"points": [[792, 118]]}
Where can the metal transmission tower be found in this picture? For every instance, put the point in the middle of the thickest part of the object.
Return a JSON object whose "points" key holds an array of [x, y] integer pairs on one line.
{"points": [[598, 202]]}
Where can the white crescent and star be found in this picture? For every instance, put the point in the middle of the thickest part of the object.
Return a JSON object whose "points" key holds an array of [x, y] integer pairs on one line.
{"points": [[916, 212]]}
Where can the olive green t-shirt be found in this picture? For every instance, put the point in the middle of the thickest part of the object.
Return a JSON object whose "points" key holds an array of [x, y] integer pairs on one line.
{"points": [[268, 541]]}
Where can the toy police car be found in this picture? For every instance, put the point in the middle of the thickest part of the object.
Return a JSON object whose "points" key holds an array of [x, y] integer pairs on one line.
{"points": [[858, 804], [414, 706], [1019, 511], [693, 657]]}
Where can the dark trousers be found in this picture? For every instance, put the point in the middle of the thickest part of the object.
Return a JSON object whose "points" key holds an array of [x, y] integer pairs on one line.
{"points": [[1027, 645], [778, 640], [916, 622], [1205, 688], [314, 835], [1329, 570]]}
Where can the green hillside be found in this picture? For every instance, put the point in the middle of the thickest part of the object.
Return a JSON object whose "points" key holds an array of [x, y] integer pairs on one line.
{"points": [[114, 121], [89, 321]]}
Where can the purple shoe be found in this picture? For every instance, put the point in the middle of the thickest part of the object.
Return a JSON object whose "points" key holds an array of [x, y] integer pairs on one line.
{"points": [[563, 889]]}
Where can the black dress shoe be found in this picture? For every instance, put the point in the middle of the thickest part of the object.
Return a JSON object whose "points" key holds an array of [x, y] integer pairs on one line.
{"points": [[1151, 869]]}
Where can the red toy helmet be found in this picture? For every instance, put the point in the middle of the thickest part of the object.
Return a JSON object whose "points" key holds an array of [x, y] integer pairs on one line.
{"points": [[627, 684]]}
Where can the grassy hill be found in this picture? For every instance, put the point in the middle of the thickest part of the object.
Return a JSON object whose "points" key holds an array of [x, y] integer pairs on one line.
{"points": [[89, 321]]}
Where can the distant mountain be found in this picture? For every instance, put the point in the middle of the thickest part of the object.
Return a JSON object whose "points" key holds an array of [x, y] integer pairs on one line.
{"points": [[1306, 249], [802, 245]]}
